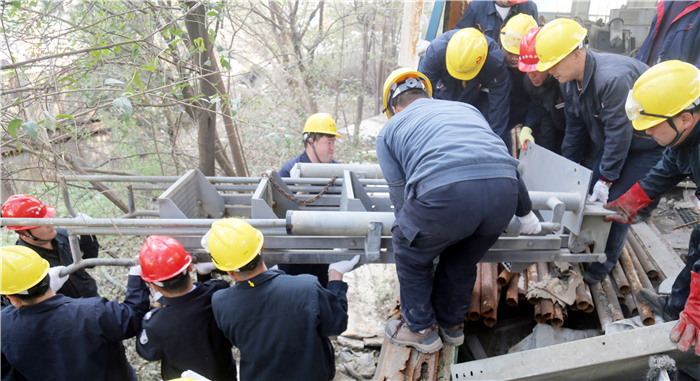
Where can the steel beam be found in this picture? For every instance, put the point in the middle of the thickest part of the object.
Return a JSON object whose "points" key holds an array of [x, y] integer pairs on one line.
{"points": [[618, 356]]}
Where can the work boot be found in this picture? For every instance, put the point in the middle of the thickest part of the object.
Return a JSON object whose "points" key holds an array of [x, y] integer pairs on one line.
{"points": [[659, 305], [591, 278], [398, 333], [452, 336]]}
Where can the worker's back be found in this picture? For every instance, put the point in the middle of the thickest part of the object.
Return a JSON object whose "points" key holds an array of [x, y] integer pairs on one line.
{"points": [[281, 325]]}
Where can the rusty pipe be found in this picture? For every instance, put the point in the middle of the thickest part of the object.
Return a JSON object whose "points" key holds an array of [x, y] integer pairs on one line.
{"points": [[620, 279], [611, 295], [512, 291], [557, 316], [646, 283], [532, 278], [602, 306], [642, 255], [644, 311], [504, 277], [522, 285], [489, 293], [474, 310], [631, 304]]}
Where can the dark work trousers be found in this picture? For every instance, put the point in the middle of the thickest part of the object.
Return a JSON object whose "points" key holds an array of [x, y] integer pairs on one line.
{"points": [[458, 222], [636, 166], [681, 286]]}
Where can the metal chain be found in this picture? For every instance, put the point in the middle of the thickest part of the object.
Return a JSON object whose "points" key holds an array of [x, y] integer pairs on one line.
{"points": [[298, 200]]}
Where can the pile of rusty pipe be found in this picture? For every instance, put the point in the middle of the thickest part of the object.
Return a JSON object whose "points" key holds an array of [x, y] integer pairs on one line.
{"points": [[628, 266], [611, 297], [512, 295], [646, 283], [621, 281]]}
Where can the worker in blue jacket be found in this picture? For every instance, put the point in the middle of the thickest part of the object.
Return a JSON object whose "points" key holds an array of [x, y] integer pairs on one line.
{"points": [[490, 16], [665, 104], [280, 323], [673, 34], [466, 66], [52, 244], [319, 137], [182, 334], [594, 86], [53, 337], [454, 189]]}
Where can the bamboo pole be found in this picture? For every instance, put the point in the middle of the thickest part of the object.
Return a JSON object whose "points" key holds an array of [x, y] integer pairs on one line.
{"points": [[644, 312]]}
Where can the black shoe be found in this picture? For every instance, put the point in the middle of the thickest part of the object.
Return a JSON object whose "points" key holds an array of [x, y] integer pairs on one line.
{"points": [[591, 278], [659, 305]]}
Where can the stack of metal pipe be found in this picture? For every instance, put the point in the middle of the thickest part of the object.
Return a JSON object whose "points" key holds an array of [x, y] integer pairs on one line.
{"points": [[618, 289]]}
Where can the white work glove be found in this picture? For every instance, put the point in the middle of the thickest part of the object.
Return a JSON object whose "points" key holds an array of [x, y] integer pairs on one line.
{"points": [[82, 217], [530, 224], [135, 270], [421, 47], [295, 173], [600, 192], [205, 267], [696, 203], [344, 266], [55, 280], [205, 241]]}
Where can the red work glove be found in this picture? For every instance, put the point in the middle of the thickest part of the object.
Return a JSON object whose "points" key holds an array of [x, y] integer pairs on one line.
{"points": [[688, 327], [628, 205]]}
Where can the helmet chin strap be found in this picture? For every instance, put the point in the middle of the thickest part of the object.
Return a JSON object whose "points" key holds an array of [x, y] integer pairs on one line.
{"points": [[29, 234], [678, 134], [316, 154]]}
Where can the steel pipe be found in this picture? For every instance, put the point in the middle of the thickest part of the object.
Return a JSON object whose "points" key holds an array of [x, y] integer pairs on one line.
{"points": [[336, 223], [474, 312], [213, 180], [372, 171], [540, 200], [96, 262], [107, 222]]}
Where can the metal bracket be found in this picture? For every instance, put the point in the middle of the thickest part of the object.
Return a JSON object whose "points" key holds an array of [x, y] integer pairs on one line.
{"points": [[373, 243], [191, 196]]}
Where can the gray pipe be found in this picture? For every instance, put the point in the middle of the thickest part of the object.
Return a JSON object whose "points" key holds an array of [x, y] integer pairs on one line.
{"points": [[370, 171], [96, 262], [106, 222]]}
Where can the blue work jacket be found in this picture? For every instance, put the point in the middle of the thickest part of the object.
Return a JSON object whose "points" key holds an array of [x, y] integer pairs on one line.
{"points": [[484, 16], [80, 284], [489, 91], [681, 40], [72, 339], [598, 111], [282, 325], [675, 165]]}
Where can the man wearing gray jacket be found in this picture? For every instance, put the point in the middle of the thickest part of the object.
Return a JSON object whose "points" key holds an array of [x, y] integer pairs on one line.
{"points": [[595, 87], [454, 188]]}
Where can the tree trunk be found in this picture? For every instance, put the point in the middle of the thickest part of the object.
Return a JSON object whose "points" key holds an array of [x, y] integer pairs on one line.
{"points": [[212, 84]]}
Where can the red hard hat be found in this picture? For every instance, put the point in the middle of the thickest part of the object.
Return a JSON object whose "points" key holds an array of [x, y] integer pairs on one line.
{"points": [[162, 258], [528, 56], [518, 1], [25, 206]]}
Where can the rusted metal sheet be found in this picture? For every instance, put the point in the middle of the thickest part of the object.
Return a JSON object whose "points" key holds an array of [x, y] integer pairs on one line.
{"points": [[455, 10]]}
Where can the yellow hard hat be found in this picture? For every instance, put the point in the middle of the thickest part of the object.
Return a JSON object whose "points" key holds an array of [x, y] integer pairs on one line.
{"points": [[466, 53], [662, 92], [233, 243], [320, 123], [398, 82], [557, 40], [22, 269], [515, 29]]}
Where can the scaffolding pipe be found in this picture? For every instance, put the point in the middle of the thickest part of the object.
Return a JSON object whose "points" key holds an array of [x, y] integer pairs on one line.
{"points": [[107, 222], [96, 262], [213, 180], [371, 171]]}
